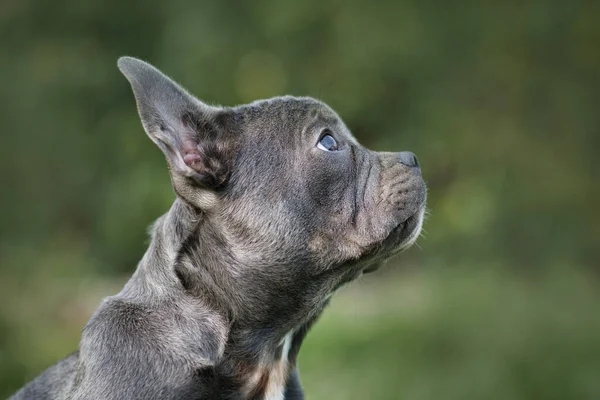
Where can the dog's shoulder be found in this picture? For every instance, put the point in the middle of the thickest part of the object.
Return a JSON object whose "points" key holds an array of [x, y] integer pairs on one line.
{"points": [[149, 346], [166, 327]]}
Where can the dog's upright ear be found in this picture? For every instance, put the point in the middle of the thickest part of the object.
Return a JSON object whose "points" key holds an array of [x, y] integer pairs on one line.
{"points": [[188, 131]]}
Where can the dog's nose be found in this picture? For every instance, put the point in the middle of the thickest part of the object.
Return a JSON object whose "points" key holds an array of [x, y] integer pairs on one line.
{"points": [[409, 159]]}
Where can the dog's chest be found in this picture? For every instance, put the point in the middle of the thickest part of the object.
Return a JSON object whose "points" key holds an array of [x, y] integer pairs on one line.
{"points": [[268, 381]]}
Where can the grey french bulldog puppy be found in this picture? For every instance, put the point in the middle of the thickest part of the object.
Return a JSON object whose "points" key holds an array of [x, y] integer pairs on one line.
{"points": [[277, 206]]}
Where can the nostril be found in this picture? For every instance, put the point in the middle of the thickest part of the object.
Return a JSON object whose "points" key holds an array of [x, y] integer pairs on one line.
{"points": [[409, 159]]}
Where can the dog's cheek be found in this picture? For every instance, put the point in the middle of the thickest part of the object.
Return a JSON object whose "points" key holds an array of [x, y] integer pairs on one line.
{"points": [[317, 245], [330, 251], [323, 252]]}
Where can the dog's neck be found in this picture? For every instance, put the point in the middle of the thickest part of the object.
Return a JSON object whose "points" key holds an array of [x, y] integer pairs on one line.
{"points": [[183, 263]]}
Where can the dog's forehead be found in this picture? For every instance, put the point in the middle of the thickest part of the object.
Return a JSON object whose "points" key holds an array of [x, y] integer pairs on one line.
{"points": [[289, 106], [292, 112]]}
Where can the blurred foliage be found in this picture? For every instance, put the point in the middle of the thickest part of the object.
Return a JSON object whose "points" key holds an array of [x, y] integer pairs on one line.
{"points": [[499, 100]]}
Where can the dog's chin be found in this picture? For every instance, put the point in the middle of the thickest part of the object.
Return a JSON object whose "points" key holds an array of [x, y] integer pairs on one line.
{"points": [[400, 238]]}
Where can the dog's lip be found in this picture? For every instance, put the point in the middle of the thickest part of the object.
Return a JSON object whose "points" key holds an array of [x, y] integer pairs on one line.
{"points": [[402, 229], [394, 241]]}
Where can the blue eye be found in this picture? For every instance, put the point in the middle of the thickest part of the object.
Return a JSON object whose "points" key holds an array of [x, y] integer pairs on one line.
{"points": [[327, 142]]}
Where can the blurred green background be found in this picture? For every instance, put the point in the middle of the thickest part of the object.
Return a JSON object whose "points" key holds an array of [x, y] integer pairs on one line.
{"points": [[500, 101]]}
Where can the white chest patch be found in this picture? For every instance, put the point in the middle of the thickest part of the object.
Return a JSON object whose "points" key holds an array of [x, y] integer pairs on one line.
{"points": [[273, 375]]}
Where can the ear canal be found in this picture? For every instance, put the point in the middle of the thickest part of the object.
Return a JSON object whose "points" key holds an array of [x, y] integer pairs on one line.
{"points": [[170, 116]]}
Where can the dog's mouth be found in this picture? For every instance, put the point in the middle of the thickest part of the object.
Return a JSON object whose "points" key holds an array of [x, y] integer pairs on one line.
{"points": [[400, 238], [405, 233]]}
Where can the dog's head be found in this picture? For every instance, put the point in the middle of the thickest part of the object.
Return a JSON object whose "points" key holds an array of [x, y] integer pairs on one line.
{"points": [[301, 207]]}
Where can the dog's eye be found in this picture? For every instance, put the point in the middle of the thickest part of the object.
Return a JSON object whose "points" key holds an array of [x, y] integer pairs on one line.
{"points": [[327, 142]]}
